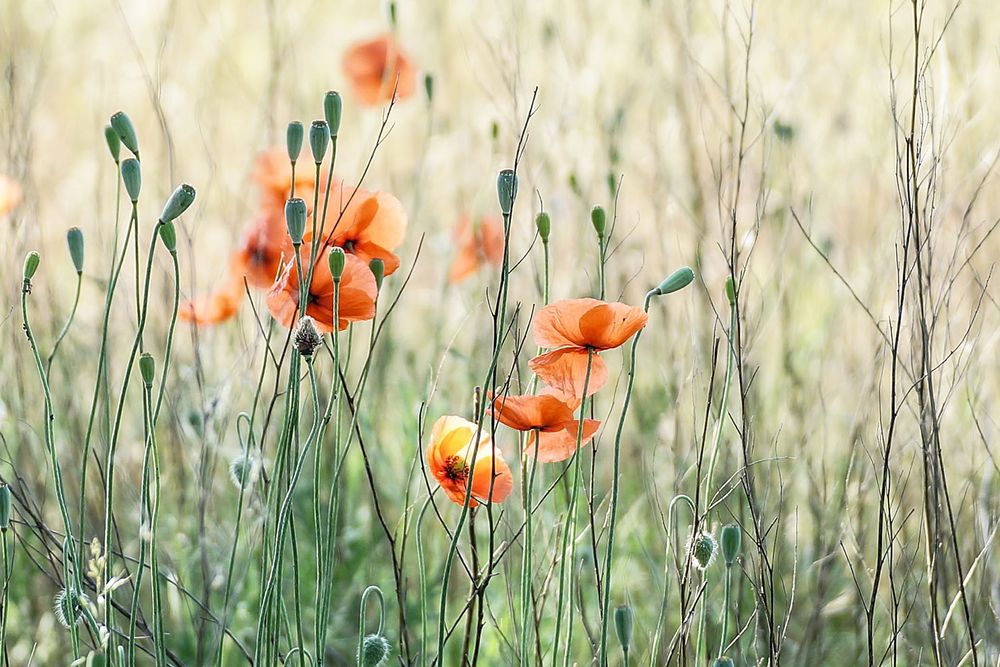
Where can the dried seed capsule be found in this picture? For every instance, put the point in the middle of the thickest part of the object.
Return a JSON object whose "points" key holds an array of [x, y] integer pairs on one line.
{"points": [[307, 338]]}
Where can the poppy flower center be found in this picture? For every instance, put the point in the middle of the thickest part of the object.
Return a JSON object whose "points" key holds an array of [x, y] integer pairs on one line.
{"points": [[349, 246], [455, 469]]}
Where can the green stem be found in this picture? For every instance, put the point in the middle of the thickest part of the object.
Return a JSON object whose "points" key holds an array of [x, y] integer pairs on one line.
{"points": [[66, 326]]}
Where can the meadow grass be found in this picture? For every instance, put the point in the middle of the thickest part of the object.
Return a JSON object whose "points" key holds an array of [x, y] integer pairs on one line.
{"points": [[766, 439]]}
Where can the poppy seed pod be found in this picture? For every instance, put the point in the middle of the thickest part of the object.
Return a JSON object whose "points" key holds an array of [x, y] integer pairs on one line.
{"points": [[333, 107], [178, 202], [293, 140], [114, 143], [731, 292], [623, 626], [506, 190], [132, 177], [4, 507], [147, 369], [168, 234], [544, 225], [599, 219], [374, 651], [295, 219], [722, 662], [731, 537], [319, 139], [31, 261], [123, 127], [677, 280], [377, 267], [74, 239], [337, 259]]}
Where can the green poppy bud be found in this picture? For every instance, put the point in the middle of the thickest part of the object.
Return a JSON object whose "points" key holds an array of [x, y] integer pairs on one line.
{"points": [[703, 549], [731, 537], [31, 261], [74, 239], [599, 219], [333, 107], [377, 267], [178, 202], [337, 260], [114, 143], [123, 127], [147, 369], [677, 280], [623, 626], [731, 292], [374, 651], [293, 140], [4, 507], [132, 177], [295, 218], [506, 190], [544, 225], [168, 234], [319, 139]]}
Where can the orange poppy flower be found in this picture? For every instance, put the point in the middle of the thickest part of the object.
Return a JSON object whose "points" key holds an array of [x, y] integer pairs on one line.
{"points": [[273, 175], [576, 328], [357, 293], [551, 417], [220, 305], [263, 246], [449, 456], [10, 194], [372, 226], [375, 67], [477, 246]]}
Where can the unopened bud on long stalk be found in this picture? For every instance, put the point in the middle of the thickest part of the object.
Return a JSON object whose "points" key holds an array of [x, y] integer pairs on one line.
{"points": [[377, 267], [333, 108], [74, 239], [677, 280], [295, 219], [123, 127], [293, 140], [319, 139], [623, 626], [114, 143], [168, 234], [4, 507], [731, 537], [31, 261], [132, 177], [147, 369], [506, 190], [337, 260], [544, 226], [178, 202], [599, 219]]}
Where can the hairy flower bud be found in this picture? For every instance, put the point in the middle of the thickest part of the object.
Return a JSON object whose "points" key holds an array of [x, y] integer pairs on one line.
{"points": [[375, 650]]}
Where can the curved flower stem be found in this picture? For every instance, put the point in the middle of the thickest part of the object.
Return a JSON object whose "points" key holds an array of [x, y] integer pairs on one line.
{"points": [[567, 552], [661, 620], [66, 326], [361, 617], [615, 488]]}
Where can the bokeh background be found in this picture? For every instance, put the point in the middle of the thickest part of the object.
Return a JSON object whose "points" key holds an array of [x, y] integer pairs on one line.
{"points": [[645, 94]]}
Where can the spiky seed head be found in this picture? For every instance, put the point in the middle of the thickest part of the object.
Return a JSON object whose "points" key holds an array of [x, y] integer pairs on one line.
{"points": [[703, 549], [375, 650], [307, 337]]}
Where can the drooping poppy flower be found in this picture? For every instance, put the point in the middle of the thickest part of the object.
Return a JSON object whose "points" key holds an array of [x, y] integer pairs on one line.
{"points": [[10, 194], [357, 293], [478, 245], [578, 328], [372, 226], [551, 416], [452, 453], [375, 67]]}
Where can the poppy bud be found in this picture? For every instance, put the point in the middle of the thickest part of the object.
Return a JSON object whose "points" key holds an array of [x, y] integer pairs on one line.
{"points": [[242, 470], [307, 337], [74, 239], [623, 626], [319, 139], [703, 549], [731, 292], [132, 177], [677, 280], [178, 202], [506, 190], [168, 234], [599, 219], [337, 260], [377, 267], [731, 537], [390, 9], [333, 107], [4, 507], [429, 87], [147, 369], [295, 218], [31, 261], [722, 662], [293, 140], [123, 127], [374, 651], [544, 225], [114, 143]]}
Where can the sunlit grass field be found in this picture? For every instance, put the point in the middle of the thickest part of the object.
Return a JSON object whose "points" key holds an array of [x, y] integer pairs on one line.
{"points": [[646, 333]]}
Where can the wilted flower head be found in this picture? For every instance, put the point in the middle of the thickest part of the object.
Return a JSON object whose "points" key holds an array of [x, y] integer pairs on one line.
{"points": [[307, 338]]}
